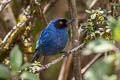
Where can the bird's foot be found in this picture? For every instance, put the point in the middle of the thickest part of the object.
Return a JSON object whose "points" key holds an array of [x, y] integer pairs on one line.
{"points": [[44, 67]]}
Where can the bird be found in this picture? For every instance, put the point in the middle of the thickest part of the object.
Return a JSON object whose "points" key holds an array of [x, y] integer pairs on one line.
{"points": [[52, 39]]}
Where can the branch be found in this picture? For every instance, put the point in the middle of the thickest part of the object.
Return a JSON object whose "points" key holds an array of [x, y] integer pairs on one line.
{"points": [[93, 3], [14, 35], [21, 24], [75, 41], [3, 4], [91, 63], [95, 59], [65, 69], [104, 4], [39, 68], [43, 15], [11, 38], [47, 6], [41, 12]]}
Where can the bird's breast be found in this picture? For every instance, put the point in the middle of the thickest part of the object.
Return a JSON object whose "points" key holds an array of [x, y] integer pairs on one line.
{"points": [[62, 37]]}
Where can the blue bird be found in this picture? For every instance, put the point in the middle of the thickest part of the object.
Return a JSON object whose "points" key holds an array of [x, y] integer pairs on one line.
{"points": [[53, 38]]}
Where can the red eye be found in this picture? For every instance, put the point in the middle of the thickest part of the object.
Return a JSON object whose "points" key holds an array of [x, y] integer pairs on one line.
{"points": [[60, 22]]}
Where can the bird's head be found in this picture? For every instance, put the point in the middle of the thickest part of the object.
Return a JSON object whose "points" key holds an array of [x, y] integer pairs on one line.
{"points": [[61, 23]]}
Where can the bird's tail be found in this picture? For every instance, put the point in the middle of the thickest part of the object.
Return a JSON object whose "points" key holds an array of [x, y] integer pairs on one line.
{"points": [[35, 57]]}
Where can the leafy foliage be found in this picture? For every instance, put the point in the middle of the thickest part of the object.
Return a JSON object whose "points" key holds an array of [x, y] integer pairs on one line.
{"points": [[28, 75], [4, 72], [15, 59], [115, 27], [16, 68], [96, 25], [34, 67]]}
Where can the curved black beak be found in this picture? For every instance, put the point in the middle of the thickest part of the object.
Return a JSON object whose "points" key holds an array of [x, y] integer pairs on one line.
{"points": [[69, 21]]}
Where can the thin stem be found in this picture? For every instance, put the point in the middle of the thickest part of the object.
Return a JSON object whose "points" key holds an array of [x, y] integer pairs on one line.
{"points": [[43, 15], [91, 63]]}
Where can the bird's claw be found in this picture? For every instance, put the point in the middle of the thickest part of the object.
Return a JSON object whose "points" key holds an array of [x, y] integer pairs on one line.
{"points": [[44, 67]]}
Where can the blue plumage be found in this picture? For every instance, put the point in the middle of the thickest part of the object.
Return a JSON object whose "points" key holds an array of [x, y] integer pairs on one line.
{"points": [[53, 38]]}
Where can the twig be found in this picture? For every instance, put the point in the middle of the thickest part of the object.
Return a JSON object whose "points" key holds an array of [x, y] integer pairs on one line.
{"points": [[47, 6], [91, 63], [59, 58], [43, 15], [100, 3], [3, 4], [93, 3], [65, 68], [22, 24], [8, 34], [41, 12], [95, 59], [8, 17]]}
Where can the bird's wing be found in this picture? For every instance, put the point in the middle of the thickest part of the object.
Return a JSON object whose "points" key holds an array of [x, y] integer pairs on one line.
{"points": [[44, 37]]}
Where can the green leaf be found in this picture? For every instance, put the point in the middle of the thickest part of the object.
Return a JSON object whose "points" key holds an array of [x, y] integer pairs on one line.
{"points": [[112, 22], [4, 72], [15, 59], [28, 75], [115, 27], [116, 33], [98, 46]]}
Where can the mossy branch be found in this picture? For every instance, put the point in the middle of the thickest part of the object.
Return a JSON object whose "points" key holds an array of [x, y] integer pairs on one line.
{"points": [[3, 4]]}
